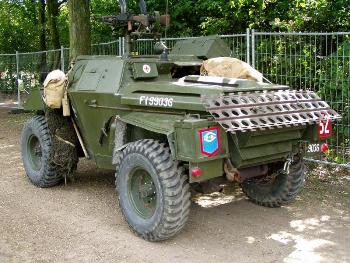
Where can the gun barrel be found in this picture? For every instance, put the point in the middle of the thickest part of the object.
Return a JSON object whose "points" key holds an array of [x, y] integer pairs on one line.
{"points": [[143, 19]]}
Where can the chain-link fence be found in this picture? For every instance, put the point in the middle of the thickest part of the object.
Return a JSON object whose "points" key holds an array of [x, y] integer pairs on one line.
{"points": [[33, 68], [22, 71], [316, 61], [109, 48], [8, 78], [239, 45]]}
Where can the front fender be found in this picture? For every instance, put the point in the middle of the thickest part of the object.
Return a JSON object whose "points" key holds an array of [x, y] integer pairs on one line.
{"points": [[34, 101], [154, 122]]}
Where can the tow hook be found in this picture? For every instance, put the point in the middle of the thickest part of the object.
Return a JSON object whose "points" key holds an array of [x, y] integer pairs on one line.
{"points": [[287, 165], [235, 175], [232, 174]]}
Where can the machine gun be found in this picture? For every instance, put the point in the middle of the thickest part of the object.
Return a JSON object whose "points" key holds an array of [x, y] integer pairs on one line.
{"points": [[136, 26]]}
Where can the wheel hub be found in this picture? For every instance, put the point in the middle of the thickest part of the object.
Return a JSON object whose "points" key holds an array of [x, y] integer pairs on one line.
{"points": [[142, 193], [34, 152]]}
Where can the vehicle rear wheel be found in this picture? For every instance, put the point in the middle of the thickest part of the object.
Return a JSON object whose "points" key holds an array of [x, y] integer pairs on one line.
{"points": [[39, 154], [277, 188], [153, 190]]}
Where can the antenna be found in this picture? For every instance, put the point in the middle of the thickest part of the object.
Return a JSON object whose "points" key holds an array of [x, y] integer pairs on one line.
{"points": [[167, 21]]}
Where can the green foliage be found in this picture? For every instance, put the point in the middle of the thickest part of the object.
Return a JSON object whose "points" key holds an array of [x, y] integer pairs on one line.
{"points": [[18, 29], [319, 63], [63, 25], [7, 76], [18, 18], [101, 32], [334, 85], [234, 16]]}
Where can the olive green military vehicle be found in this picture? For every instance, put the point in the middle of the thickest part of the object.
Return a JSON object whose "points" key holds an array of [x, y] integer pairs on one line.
{"points": [[162, 127]]}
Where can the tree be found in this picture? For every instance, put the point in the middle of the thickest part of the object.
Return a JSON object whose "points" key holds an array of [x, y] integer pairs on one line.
{"points": [[42, 38], [52, 14], [42, 25], [79, 28]]}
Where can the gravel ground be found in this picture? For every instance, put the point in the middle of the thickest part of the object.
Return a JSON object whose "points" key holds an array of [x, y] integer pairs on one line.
{"points": [[81, 222]]}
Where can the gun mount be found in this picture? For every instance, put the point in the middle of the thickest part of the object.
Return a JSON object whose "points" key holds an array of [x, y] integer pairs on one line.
{"points": [[135, 26]]}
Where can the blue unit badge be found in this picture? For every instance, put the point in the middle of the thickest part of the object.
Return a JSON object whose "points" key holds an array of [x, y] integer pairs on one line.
{"points": [[210, 141]]}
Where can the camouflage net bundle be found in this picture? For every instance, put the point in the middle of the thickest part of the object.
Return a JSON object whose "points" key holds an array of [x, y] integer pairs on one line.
{"points": [[54, 89], [119, 140], [64, 155], [230, 68]]}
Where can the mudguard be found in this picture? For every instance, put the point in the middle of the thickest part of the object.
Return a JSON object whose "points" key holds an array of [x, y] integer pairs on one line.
{"points": [[34, 101]]}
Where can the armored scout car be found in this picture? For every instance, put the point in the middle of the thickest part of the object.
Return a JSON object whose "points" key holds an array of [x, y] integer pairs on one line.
{"points": [[163, 126]]}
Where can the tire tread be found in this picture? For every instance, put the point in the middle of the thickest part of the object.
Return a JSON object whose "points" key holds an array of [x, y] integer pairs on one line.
{"points": [[175, 187], [51, 174], [286, 194]]}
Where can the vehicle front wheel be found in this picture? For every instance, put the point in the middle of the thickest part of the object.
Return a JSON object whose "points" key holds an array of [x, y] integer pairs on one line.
{"points": [[277, 188], [153, 190], [39, 153]]}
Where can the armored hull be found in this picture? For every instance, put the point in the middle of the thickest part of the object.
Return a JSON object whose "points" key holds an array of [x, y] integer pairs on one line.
{"points": [[162, 125]]}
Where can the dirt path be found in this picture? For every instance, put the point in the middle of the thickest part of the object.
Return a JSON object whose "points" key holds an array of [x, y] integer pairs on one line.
{"points": [[8, 101], [81, 222]]}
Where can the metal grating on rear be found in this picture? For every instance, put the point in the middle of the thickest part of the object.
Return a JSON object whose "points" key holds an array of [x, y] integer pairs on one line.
{"points": [[268, 110]]}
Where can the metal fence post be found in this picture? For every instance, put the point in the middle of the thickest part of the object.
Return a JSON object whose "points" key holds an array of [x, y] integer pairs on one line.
{"points": [[253, 48], [248, 45], [18, 79], [123, 45], [120, 46], [62, 58]]}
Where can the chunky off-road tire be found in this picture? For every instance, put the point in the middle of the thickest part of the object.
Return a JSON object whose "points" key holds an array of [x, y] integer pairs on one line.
{"points": [[153, 190], [280, 190], [38, 152]]}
